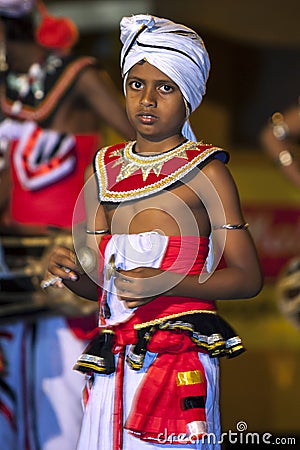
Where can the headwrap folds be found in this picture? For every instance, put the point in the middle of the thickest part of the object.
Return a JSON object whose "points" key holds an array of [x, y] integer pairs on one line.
{"points": [[175, 49]]}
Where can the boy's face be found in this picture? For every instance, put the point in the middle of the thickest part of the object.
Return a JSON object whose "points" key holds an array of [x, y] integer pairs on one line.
{"points": [[154, 103]]}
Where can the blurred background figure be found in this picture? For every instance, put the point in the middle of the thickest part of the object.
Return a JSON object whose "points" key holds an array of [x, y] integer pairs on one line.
{"points": [[53, 107], [280, 139], [48, 88], [5, 178]]}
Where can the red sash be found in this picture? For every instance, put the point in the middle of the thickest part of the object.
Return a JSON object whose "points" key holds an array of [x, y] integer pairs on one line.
{"points": [[183, 254]]}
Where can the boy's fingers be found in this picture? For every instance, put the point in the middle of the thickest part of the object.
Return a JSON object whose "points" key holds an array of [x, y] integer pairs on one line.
{"points": [[120, 277]]}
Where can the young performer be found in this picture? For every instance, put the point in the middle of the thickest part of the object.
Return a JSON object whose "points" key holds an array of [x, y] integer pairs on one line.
{"points": [[160, 211]]}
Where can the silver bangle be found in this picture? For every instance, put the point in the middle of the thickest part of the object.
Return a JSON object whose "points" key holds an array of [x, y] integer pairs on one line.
{"points": [[229, 226], [97, 231]]}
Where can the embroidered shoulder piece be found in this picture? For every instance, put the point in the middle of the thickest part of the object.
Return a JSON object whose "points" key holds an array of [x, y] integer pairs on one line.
{"points": [[123, 175]]}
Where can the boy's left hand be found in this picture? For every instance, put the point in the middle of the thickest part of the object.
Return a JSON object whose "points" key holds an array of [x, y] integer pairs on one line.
{"points": [[138, 286]]}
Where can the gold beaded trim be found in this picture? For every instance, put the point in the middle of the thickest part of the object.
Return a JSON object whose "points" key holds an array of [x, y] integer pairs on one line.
{"points": [[160, 320]]}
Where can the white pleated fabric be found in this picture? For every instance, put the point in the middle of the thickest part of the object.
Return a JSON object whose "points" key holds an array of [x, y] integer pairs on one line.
{"points": [[176, 50], [131, 251]]}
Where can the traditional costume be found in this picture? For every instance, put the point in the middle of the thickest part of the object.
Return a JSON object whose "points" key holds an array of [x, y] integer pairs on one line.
{"points": [[44, 162], [40, 395], [153, 371]]}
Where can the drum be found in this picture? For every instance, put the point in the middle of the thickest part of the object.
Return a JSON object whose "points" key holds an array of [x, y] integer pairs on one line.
{"points": [[23, 260]]}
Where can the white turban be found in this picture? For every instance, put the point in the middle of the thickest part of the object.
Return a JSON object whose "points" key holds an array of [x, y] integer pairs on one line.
{"points": [[174, 49], [16, 8]]}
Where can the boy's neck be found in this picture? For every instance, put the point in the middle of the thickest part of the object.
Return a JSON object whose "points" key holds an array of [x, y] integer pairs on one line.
{"points": [[146, 147]]}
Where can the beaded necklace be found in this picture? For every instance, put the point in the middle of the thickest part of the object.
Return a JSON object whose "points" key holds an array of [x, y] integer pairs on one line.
{"points": [[31, 82]]}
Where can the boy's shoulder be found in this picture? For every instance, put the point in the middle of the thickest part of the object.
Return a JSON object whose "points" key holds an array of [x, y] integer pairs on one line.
{"points": [[124, 175]]}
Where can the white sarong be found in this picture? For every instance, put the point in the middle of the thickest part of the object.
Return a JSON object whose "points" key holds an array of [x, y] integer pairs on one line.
{"points": [[97, 427]]}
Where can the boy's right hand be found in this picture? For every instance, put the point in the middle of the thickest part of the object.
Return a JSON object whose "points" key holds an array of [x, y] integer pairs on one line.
{"points": [[61, 266]]}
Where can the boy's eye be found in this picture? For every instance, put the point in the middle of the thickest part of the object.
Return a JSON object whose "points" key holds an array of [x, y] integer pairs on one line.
{"points": [[166, 88], [135, 84]]}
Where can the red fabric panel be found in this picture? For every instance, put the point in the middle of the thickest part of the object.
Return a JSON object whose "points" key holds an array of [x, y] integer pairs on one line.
{"points": [[54, 204]]}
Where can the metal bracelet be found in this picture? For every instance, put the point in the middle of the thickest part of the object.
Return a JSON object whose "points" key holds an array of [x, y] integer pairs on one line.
{"points": [[97, 231], [229, 226]]}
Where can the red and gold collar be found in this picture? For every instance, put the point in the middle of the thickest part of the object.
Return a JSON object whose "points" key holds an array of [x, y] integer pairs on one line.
{"points": [[124, 175]]}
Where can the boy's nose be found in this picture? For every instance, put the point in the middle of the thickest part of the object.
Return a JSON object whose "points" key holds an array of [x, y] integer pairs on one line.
{"points": [[148, 98]]}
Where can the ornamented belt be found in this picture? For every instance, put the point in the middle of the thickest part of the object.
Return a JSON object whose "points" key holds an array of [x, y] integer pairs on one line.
{"points": [[206, 330]]}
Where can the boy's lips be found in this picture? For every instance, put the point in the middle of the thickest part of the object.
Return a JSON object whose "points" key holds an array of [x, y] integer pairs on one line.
{"points": [[146, 118]]}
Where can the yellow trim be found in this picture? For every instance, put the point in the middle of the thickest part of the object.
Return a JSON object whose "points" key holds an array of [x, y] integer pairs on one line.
{"points": [[107, 331], [234, 349], [135, 365], [91, 366], [190, 377]]}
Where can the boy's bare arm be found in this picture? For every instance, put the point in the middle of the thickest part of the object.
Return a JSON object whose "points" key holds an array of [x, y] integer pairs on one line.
{"points": [[63, 262], [242, 277]]}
